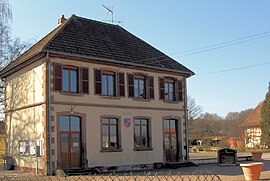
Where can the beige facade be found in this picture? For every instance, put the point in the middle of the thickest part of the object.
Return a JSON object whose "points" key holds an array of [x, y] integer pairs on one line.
{"points": [[70, 110], [26, 119]]}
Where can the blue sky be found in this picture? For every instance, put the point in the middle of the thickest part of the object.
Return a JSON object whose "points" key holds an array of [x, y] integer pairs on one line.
{"points": [[175, 27]]}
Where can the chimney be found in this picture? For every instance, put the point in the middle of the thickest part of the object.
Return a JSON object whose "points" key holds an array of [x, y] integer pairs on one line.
{"points": [[61, 20]]}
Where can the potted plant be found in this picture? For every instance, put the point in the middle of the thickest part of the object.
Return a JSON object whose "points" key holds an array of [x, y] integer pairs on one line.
{"points": [[257, 155], [252, 171]]}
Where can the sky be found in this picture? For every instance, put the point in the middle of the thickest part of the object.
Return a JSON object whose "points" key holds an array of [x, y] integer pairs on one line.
{"points": [[230, 76]]}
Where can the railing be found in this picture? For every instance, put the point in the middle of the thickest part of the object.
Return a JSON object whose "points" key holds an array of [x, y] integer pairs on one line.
{"points": [[149, 176]]}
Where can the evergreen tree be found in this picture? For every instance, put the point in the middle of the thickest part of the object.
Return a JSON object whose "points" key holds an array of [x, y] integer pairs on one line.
{"points": [[265, 123]]}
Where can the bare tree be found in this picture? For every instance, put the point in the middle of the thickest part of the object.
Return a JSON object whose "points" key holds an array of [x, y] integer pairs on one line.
{"points": [[194, 111], [10, 47]]}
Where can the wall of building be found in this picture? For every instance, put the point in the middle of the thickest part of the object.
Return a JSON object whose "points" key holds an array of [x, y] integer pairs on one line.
{"points": [[25, 114], [253, 136], [95, 106]]}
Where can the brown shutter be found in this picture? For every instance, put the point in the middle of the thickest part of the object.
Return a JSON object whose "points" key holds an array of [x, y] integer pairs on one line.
{"points": [[121, 84], [180, 90], [97, 81], [161, 88], [151, 87], [130, 85], [58, 76], [85, 80]]}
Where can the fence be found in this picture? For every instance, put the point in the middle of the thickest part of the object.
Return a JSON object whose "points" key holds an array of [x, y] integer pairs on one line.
{"points": [[150, 176]]}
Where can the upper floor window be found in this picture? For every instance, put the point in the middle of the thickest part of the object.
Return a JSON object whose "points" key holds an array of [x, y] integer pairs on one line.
{"points": [[71, 79], [140, 86], [170, 89], [142, 138], [109, 83], [110, 134]]}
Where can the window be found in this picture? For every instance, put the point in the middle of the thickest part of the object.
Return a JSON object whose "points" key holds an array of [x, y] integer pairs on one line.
{"points": [[71, 79], [108, 84], [169, 90], [141, 133], [140, 86], [110, 139]]}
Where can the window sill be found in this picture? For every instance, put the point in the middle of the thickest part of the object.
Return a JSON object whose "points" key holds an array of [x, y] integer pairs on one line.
{"points": [[171, 102], [142, 149], [110, 97], [71, 93], [141, 99], [111, 150]]}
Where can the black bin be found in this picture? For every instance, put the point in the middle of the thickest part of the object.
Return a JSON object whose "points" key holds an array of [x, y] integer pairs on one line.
{"points": [[227, 156]]}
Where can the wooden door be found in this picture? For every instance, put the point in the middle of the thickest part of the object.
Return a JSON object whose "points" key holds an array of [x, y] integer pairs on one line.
{"points": [[171, 140], [70, 141]]}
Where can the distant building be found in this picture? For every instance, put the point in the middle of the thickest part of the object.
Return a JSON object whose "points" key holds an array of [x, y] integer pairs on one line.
{"points": [[252, 128], [92, 94]]}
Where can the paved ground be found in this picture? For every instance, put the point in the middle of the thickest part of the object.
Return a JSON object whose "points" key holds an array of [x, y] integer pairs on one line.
{"points": [[229, 173]]}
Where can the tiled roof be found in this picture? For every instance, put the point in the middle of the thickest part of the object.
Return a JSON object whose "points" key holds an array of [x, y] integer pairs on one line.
{"points": [[90, 38], [254, 118]]}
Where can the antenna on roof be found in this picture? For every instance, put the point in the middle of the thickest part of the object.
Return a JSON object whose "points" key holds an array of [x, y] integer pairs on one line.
{"points": [[110, 10]]}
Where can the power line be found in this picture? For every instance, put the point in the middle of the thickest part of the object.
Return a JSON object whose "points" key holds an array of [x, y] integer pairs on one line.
{"points": [[216, 46], [225, 45], [267, 33], [235, 69]]}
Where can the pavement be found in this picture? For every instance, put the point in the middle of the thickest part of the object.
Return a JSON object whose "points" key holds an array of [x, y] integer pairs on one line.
{"points": [[230, 173]]}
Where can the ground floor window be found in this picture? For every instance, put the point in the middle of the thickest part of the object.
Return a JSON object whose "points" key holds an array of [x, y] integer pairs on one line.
{"points": [[142, 133], [110, 134]]}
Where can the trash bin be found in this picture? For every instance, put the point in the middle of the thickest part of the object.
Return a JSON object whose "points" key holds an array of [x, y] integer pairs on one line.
{"points": [[8, 163], [227, 156]]}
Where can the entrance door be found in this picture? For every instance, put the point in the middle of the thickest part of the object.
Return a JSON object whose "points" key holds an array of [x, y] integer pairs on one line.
{"points": [[171, 140], [70, 141]]}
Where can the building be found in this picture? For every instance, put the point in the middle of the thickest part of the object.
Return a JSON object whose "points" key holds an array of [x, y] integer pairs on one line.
{"points": [[252, 128], [92, 94], [2, 140]]}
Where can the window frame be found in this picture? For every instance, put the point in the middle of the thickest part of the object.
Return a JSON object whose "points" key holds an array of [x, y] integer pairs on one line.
{"points": [[118, 135], [148, 147], [108, 73], [170, 81], [69, 69], [139, 78]]}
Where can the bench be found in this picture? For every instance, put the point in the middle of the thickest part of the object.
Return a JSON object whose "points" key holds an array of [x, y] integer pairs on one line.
{"points": [[247, 158]]}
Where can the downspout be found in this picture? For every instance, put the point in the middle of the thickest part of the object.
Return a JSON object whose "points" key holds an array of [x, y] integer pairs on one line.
{"points": [[48, 113], [186, 119], [10, 118]]}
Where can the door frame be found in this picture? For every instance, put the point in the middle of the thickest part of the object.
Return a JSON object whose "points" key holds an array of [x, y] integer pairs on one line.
{"points": [[179, 137], [83, 137]]}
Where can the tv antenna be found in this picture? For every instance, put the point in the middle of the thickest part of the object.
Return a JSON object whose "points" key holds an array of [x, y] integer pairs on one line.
{"points": [[110, 10]]}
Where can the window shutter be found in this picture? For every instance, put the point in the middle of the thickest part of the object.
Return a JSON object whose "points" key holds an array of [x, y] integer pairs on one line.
{"points": [[180, 90], [130, 85], [58, 76], [151, 87], [97, 81], [161, 88], [121, 84], [85, 80]]}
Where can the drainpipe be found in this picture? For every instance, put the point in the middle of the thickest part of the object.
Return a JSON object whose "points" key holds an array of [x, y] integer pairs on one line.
{"points": [[48, 112], [186, 119], [10, 118]]}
